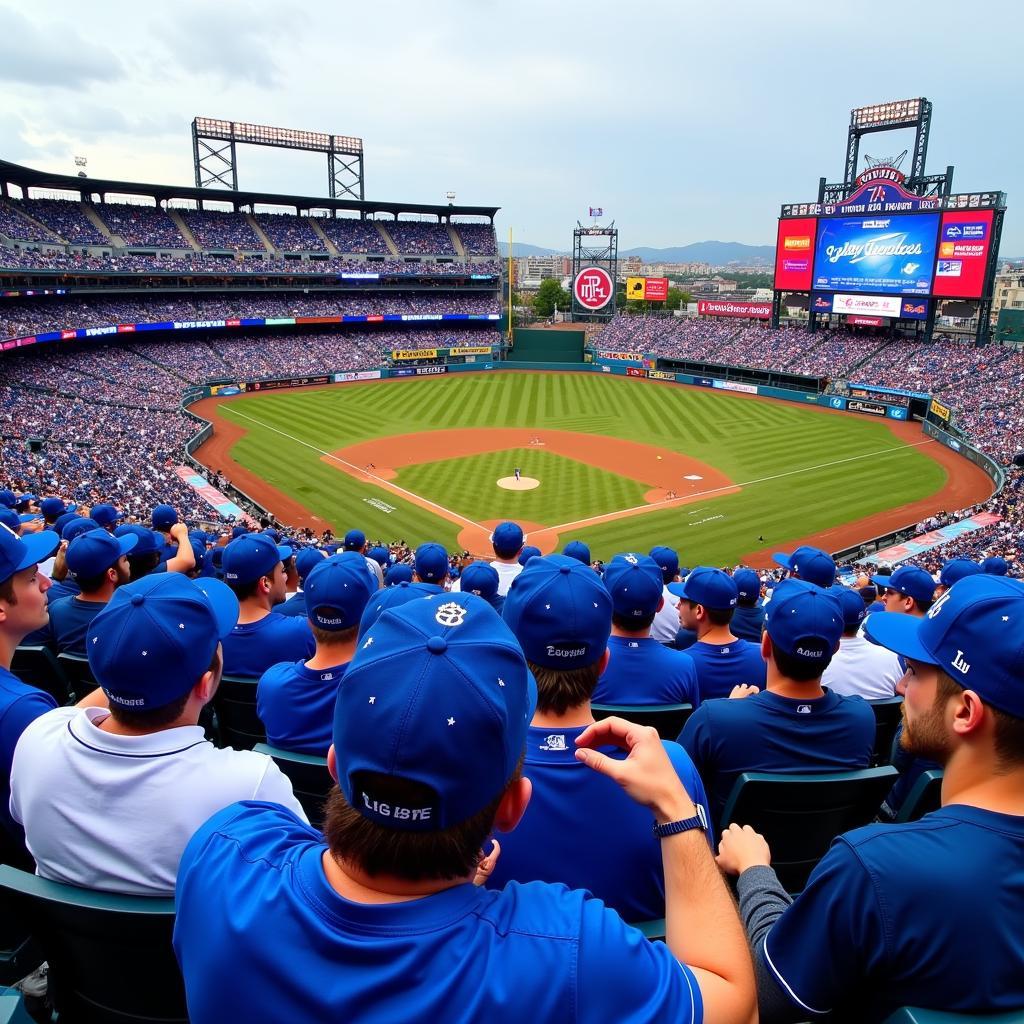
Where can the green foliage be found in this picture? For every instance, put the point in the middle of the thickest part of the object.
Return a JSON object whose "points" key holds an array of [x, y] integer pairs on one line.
{"points": [[549, 295]]}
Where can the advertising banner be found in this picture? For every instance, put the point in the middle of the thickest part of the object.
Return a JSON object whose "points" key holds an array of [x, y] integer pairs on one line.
{"points": [[893, 255], [794, 250], [635, 287], [940, 410], [656, 289], [914, 309], [821, 304], [286, 382], [730, 385], [226, 389], [623, 357], [660, 375], [399, 354], [964, 240], [404, 371], [635, 371], [755, 310], [471, 350], [836, 402], [341, 378], [879, 305], [867, 321], [593, 288], [871, 408], [896, 412], [430, 371]]}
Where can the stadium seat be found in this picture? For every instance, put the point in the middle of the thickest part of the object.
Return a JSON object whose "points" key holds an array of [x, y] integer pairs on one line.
{"points": [[235, 703], [668, 719], [110, 957], [654, 929], [12, 1008], [79, 675], [888, 712], [800, 815], [310, 779], [914, 1015], [924, 796], [37, 665]]}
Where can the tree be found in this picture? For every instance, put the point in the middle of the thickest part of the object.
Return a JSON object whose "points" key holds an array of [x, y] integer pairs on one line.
{"points": [[677, 295], [549, 295]]}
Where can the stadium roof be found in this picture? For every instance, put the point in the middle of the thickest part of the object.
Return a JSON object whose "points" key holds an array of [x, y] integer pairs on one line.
{"points": [[29, 177]]}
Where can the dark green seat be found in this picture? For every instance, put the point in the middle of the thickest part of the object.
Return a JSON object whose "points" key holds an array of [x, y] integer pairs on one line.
{"points": [[913, 1015], [800, 815], [311, 781], [654, 929], [38, 666], [888, 714], [924, 797], [79, 675], [668, 719], [235, 703], [110, 957]]}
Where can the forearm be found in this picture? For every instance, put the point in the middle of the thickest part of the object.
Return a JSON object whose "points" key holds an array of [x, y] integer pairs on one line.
{"points": [[184, 560]]}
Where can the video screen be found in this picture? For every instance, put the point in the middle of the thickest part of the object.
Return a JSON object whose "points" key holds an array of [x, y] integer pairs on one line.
{"points": [[794, 252]]}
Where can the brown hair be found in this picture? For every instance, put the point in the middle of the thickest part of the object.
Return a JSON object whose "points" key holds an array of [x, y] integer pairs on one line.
{"points": [[561, 689], [159, 718]]}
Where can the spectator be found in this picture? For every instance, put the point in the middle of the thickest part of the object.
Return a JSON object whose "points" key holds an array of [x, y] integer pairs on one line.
{"points": [[859, 668], [305, 562], [748, 620], [666, 620]]}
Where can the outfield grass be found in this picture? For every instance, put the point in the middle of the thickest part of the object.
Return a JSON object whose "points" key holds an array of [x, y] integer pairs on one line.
{"points": [[751, 441]]}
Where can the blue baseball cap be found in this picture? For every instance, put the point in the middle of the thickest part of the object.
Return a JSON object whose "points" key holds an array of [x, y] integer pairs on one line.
{"points": [[481, 578], [748, 584], [61, 521], [156, 637], [8, 498], [26, 499], [668, 562], [77, 527], [391, 597], [437, 694], [810, 564], [974, 632], [528, 552], [54, 507], [381, 556], [431, 562], [709, 587], [104, 514], [146, 541], [13, 520], [400, 572], [851, 604], [337, 591], [995, 566], [910, 581], [17, 553], [560, 612], [956, 569], [238, 531], [578, 550], [307, 560], [94, 552], [355, 540], [804, 621], [248, 558], [507, 539], [635, 584], [164, 517]]}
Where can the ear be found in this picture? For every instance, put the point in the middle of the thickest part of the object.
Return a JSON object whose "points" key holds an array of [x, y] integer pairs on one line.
{"points": [[332, 763], [513, 804], [969, 714], [605, 658], [205, 688], [766, 645], [661, 602]]}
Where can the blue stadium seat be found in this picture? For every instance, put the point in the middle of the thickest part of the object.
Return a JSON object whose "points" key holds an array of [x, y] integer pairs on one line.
{"points": [[37, 665], [668, 719], [924, 797], [888, 714], [914, 1015], [309, 776], [235, 704], [12, 1008]]}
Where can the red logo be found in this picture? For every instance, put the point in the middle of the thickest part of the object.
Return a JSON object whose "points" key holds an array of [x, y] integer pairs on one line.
{"points": [[593, 288]]}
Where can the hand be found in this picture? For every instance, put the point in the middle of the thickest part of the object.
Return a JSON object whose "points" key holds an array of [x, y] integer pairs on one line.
{"points": [[742, 848], [646, 774], [487, 863], [32, 526], [743, 690], [179, 531]]}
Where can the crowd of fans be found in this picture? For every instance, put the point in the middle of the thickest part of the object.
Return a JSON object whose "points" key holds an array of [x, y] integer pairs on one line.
{"points": [[420, 238], [215, 230], [357, 236], [66, 218], [143, 225], [477, 239], [288, 233]]}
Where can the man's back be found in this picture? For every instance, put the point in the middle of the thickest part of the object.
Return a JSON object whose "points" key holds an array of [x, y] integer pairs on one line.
{"points": [[720, 667], [250, 649], [581, 829], [863, 669], [747, 622], [769, 733], [507, 572], [642, 671], [535, 952], [70, 618], [296, 704]]}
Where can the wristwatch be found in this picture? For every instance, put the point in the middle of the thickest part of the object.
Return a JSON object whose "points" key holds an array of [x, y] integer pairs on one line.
{"points": [[672, 828]]}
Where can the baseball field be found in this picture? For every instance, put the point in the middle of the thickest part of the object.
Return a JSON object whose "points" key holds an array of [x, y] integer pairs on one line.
{"points": [[619, 463]]}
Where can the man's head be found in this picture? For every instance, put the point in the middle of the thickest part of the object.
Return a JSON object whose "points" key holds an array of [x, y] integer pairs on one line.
{"points": [[145, 556], [748, 587], [707, 598], [529, 551], [668, 562], [164, 517], [810, 564], [965, 672], [507, 541], [53, 508], [400, 572], [355, 540], [561, 614], [994, 565], [97, 561], [953, 571], [635, 584], [909, 590], [155, 647], [429, 731], [851, 604], [431, 564], [803, 624], [578, 550], [481, 578], [22, 588], [337, 592], [306, 561], [254, 569], [106, 515]]}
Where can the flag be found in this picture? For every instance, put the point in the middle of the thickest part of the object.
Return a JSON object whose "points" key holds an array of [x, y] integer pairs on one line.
{"points": [[596, 211]]}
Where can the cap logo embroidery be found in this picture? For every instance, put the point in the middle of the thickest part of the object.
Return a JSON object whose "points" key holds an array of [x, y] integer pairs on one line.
{"points": [[960, 665], [450, 614], [937, 607], [632, 559]]}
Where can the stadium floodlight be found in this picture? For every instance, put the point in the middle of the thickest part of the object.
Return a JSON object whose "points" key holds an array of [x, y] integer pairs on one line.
{"points": [[890, 115], [450, 196]]}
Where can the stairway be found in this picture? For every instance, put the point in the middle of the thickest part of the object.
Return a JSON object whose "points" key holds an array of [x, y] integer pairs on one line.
{"points": [[190, 239], [331, 247], [92, 215], [456, 241], [37, 223], [254, 224], [388, 240]]}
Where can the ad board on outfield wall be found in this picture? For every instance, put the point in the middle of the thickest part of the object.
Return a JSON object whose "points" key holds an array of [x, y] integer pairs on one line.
{"points": [[471, 350], [430, 371], [943, 412], [755, 310], [399, 354], [286, 382], [731, 385], [794, 253], [350, 375], [621, 357]]}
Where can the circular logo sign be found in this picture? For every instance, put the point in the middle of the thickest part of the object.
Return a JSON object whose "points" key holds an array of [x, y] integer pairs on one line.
{"points": [[593, 288]]}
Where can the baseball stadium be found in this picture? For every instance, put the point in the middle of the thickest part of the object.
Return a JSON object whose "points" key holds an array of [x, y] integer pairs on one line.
{"points": [[277, 439]]}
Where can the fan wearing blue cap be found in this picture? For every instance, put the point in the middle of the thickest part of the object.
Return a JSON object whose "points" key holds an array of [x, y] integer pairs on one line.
{"points": [[707, 603], [306, 561], [53, 508], [108, 797], [665, 627], [507, 541], [430, 567], [952, 571], [562, 614], [859, 668], [910, 590], [927, 913], [995, 565], [810, 564], [577, 549], [640, 670], [295, 699], [748, 620], [793, 725], [254, 569], [429, 730], [481, 578]]}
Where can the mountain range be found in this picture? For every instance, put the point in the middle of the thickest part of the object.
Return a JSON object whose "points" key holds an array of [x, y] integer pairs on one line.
{"points": [[716, 253]]}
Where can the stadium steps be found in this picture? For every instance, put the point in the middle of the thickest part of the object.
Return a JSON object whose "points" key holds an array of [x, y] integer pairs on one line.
{"points": [[456, 241], [388, 240], [92, 215], [167, 369], [254, 224], [37, 224], [331, 247], [184, 229], [867, 359]]}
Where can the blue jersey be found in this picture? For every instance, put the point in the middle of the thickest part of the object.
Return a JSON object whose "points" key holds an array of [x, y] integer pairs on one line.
{"points": [[70, 618], [261, 935], [62, 588], [646, 672], [769, 733], [250, 649], [294, 607], [720, 667], [924, 914], [581, 828], [746, 623], [296, 704]]}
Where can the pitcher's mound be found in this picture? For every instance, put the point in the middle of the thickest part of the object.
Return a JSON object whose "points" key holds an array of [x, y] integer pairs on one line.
{"points": [[524, 483]]}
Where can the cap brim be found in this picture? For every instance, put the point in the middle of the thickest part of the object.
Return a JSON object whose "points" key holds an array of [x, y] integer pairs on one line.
{"points": [[899, 633], [880, 581], [284, 552], [127, 542], [27, 518], [677, 589], [38, 547], [781, 558], [223, 602]]}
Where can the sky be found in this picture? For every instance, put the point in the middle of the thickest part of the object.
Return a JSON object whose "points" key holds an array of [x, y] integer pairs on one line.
{"points": [[685, 122]]}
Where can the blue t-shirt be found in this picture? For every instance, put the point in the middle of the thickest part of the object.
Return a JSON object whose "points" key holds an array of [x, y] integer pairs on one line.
{"points": [[20, 705], [581, 828], [746, 623], [59, 589], [250, 649], [295, 606], [261, 935], [296, 704], [924, 914], [685, 639], [720, 667], [769, 733], [70, 619], [646, 672]]}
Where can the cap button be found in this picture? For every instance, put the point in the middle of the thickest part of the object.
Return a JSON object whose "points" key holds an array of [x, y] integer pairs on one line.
{"points": [[564, 570], [437, 645], [137, 599]]}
